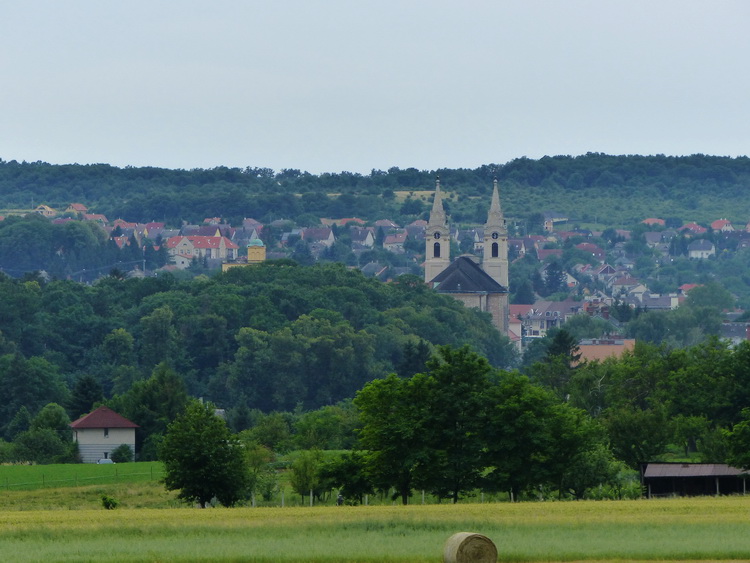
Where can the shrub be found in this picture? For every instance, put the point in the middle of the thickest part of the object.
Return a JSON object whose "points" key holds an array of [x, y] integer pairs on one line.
{"points": [[109, 503], [122, 454]]}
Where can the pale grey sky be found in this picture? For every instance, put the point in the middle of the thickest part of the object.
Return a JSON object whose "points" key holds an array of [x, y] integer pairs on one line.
{"points": [[332, 85]]}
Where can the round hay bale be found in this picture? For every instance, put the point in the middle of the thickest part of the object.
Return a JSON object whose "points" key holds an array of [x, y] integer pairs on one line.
{"points": [[467, 547]]}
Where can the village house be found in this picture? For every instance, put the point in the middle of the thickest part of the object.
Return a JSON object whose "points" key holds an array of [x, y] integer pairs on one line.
{"points": [[544, 254], [651, 221], [692, 229], [395, 242], [96, 218], [322, 236], [595, 251], [101, 432], [416, 229], [546, 315], [45, 211], [362, 237], [722, 225], [551, 218], [77, 209], [701, 249], [184, 249]]}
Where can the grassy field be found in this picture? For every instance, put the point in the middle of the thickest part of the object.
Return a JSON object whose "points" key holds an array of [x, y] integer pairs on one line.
{"points": [[29, 477], [704, 529]]}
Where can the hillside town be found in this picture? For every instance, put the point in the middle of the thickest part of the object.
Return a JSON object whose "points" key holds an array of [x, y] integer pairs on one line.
{"points": [[577, 270]]}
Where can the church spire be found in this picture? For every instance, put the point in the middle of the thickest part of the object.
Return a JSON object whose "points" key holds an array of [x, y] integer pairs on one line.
{"points": [[495, 253], [495, 216], [437, 215], [437, 239]]}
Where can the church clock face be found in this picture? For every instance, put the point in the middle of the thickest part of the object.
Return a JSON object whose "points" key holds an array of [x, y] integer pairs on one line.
{"points": [[437, 235], [495, 235]]}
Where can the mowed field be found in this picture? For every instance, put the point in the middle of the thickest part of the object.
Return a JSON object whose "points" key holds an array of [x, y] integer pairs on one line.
{"points": [[700, 529]]}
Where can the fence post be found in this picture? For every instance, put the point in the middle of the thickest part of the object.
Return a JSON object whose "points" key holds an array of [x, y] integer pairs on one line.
{"points": [[311, 498], [282, 498]]}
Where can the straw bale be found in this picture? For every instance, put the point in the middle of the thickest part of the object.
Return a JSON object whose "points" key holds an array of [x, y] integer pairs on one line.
{"points": [[468, 547]]}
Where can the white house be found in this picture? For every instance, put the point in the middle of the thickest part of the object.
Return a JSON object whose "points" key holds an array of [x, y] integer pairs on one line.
{"points": [[100, 432], [701, 249]]}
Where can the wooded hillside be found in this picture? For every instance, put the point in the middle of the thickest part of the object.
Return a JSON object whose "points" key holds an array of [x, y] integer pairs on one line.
{"points": [[625, 189]]}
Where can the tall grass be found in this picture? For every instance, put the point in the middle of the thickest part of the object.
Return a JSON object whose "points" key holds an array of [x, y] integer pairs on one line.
{"points": [[706, 529]]}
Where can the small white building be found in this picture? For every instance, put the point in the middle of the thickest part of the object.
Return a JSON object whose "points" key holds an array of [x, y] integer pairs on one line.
{"points": [[701, 249], [100, 432]]}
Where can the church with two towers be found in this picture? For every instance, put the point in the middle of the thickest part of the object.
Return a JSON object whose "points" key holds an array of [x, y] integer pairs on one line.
{"points": [[481, 285]]}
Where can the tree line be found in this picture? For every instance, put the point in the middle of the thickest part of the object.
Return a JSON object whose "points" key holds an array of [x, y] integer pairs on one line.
{"points": [[461, 425], [696, 187]]}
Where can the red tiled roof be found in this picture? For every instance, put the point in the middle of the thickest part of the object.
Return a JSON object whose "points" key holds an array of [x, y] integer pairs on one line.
{"points": [[694, 228], [516, 310], [103, 417], [720, 224], [654, 221]]}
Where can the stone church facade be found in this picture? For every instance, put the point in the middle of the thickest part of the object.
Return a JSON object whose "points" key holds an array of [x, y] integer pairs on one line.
{"points": [[482, 285]]}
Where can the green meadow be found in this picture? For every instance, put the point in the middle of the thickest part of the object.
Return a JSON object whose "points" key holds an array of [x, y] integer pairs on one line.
{"points": [[30, 477], [69, 524]]}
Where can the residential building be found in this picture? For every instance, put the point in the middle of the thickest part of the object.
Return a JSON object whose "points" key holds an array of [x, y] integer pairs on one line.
{"points": [[701, 249], [101, 432], [184, 249]]}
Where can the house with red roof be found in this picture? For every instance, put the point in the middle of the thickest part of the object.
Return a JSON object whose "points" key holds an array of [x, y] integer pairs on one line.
{"points": [[101, 432], [183, 249], [692, 229], [654, 221], [723, 225], [96, 217], [395, 242], [77, 209], [544, 253], [595, 251]]}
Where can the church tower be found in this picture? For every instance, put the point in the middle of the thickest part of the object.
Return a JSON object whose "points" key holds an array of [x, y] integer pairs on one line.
{"points": [[437, 239], [495, 258]]}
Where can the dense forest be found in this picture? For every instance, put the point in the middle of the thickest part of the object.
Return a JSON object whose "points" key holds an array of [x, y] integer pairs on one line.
{"points": [[273, 337], [625, 189]]}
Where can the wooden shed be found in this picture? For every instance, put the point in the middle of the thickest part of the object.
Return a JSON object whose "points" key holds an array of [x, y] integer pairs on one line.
{"points": [[692, 479]]}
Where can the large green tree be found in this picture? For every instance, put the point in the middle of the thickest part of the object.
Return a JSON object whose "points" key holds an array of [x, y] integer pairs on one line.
{"points": [[393, 415], [455, 415], [202, 459]]}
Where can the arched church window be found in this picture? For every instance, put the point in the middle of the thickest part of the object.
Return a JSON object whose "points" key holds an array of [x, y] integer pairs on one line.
{"points": [[436, 251], [495, 250]]}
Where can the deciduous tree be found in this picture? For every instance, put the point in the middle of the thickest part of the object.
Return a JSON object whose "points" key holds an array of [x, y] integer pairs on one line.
{"points": [[202, 459]]}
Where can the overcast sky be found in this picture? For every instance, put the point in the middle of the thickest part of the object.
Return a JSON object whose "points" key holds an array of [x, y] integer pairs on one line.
{"points": [[328, 85]]}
